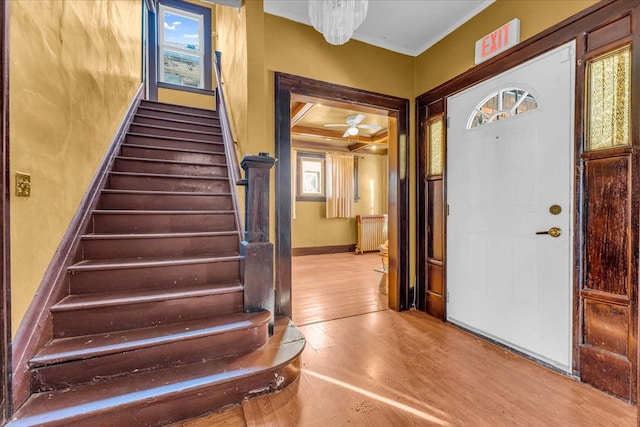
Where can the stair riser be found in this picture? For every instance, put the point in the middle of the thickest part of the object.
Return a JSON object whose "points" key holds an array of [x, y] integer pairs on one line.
{"points": [[183, 124], [150, 358], [130, 316], [174, 133], [141, 166], [165, 202], [179, 108], [176, 156], [162, 223], [161, 114], [164, 277], [162, 183], [155, 141], [202, 401], [171, 247]]}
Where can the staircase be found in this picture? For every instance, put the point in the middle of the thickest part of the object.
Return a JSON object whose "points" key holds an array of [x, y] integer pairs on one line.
{"points": [[153, 329]]}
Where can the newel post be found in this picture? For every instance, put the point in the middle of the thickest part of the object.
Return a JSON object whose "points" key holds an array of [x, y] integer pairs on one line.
{"points": [[256, 247]]}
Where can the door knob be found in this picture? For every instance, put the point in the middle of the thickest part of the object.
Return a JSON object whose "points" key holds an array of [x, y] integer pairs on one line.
{"points": [[553, 232]]}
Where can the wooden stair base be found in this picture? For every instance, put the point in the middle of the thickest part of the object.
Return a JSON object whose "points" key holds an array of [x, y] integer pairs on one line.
{"points": [[160, 397]]}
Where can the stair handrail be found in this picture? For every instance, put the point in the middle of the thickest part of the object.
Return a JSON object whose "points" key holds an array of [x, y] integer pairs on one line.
{"points": [[255, 247], [227, 134]]}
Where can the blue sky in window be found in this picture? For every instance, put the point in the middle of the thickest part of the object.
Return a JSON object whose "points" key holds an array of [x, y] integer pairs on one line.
{"points": [[181, 30]]}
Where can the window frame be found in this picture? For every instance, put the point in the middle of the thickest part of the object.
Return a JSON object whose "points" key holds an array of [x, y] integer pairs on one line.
{"points": [[323, 198], [190, 11], [319, 157]]}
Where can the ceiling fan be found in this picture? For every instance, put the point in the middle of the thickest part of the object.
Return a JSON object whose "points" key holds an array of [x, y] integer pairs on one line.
{"points": [[353, 124]]}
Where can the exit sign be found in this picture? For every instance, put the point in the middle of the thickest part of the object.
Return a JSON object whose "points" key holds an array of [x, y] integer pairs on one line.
{"points": [[498, 41]]}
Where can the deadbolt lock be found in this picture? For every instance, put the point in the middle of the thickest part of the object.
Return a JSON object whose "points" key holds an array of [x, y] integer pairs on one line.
{"points": [[555, 209]]}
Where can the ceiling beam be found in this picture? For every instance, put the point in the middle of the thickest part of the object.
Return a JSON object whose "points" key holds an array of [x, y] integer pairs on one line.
{"points": [[325, 146], [299, 110]]}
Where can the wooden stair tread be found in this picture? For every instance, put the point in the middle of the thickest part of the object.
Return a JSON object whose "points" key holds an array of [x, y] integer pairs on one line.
{"points": [[165, 105], [147, 159], [201, 132], [164, 175], [160, 193], [104, 299], [116, 236], [111, 264], [150, 109], [78, 403], [174, 149], [160, 212], [64, 350], [186, 122], [173, 138]]}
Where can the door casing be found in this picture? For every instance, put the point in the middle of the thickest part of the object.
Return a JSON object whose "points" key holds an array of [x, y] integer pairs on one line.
{"points": [[288, 85]]}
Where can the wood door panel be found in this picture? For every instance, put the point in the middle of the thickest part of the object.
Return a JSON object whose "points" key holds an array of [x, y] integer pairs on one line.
{"points": [[606, 370], [436, 279], [434, 296], [607, 326], [607, 225], [609, 33]]}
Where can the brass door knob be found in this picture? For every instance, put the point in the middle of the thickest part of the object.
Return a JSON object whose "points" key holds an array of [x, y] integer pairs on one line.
{"points": [[553, 232]]}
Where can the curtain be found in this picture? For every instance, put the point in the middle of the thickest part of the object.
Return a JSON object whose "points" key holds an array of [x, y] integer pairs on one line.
{"points": [[339, 190], [294, 181]]}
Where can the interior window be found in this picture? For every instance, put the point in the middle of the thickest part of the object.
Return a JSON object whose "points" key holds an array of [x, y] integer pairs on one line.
{"points": [[501, 105], [181, 47], [311, 176]]}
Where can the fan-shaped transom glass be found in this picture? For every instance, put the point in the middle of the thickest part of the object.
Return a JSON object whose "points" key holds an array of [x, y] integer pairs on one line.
{"points": [[500, 105]]}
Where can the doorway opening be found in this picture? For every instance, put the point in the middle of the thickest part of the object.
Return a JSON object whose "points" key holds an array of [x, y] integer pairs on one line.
{"points": [[290, 89], [339, 217]]}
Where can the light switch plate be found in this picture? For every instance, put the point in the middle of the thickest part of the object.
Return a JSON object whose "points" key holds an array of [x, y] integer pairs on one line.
{"points": [[23, 184]]}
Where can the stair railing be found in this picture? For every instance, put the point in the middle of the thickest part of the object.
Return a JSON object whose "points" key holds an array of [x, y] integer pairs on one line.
{"points": [[255, 247]]}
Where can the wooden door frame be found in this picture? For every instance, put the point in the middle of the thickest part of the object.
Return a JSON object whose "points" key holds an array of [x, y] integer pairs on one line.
{"points": [[5, 299], [589, 29], [287, 85]]}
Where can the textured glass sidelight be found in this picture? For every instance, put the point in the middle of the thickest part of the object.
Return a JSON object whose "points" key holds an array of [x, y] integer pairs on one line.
{"points": [[609, 100], [501, 105], [436, 146]]}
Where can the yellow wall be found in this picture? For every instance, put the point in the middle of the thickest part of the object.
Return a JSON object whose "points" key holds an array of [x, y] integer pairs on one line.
{"points": [[232, 43], [454, 54], [190, 99], [75, 67], [193, 99], [311, 228]]}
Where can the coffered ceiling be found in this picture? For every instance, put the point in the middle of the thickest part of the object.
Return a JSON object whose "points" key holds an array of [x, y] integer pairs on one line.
{"points": [[308, 128]]}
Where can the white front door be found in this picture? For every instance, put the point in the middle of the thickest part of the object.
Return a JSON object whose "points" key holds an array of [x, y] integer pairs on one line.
{"points": [[505, 281]]}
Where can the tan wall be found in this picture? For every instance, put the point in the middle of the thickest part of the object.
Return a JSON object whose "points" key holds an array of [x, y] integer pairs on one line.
{"points": [[311, 228], [232, 43], [75, 67], [454, 54], [192, 99]]}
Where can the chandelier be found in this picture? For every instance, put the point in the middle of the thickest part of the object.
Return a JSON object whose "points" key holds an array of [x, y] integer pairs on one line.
{"points": [[337, 19]]}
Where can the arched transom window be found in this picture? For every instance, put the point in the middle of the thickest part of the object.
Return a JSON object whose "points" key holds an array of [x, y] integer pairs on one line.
{"points": [[501, 105]]}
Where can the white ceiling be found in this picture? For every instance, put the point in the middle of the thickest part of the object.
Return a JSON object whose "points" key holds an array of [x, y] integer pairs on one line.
{"points": [[404, 26]]}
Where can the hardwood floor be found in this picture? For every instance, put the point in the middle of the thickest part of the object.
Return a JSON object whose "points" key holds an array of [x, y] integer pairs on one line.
{"points": [[365, 365], [408, 369], [333, 286]]}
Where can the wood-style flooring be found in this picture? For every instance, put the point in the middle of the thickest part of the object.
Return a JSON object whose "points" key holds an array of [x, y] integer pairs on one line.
{"points": [[385, 368], [333, 286]]}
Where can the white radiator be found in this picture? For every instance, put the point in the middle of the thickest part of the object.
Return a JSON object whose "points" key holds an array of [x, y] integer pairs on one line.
{"points": [[372, 232]]}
